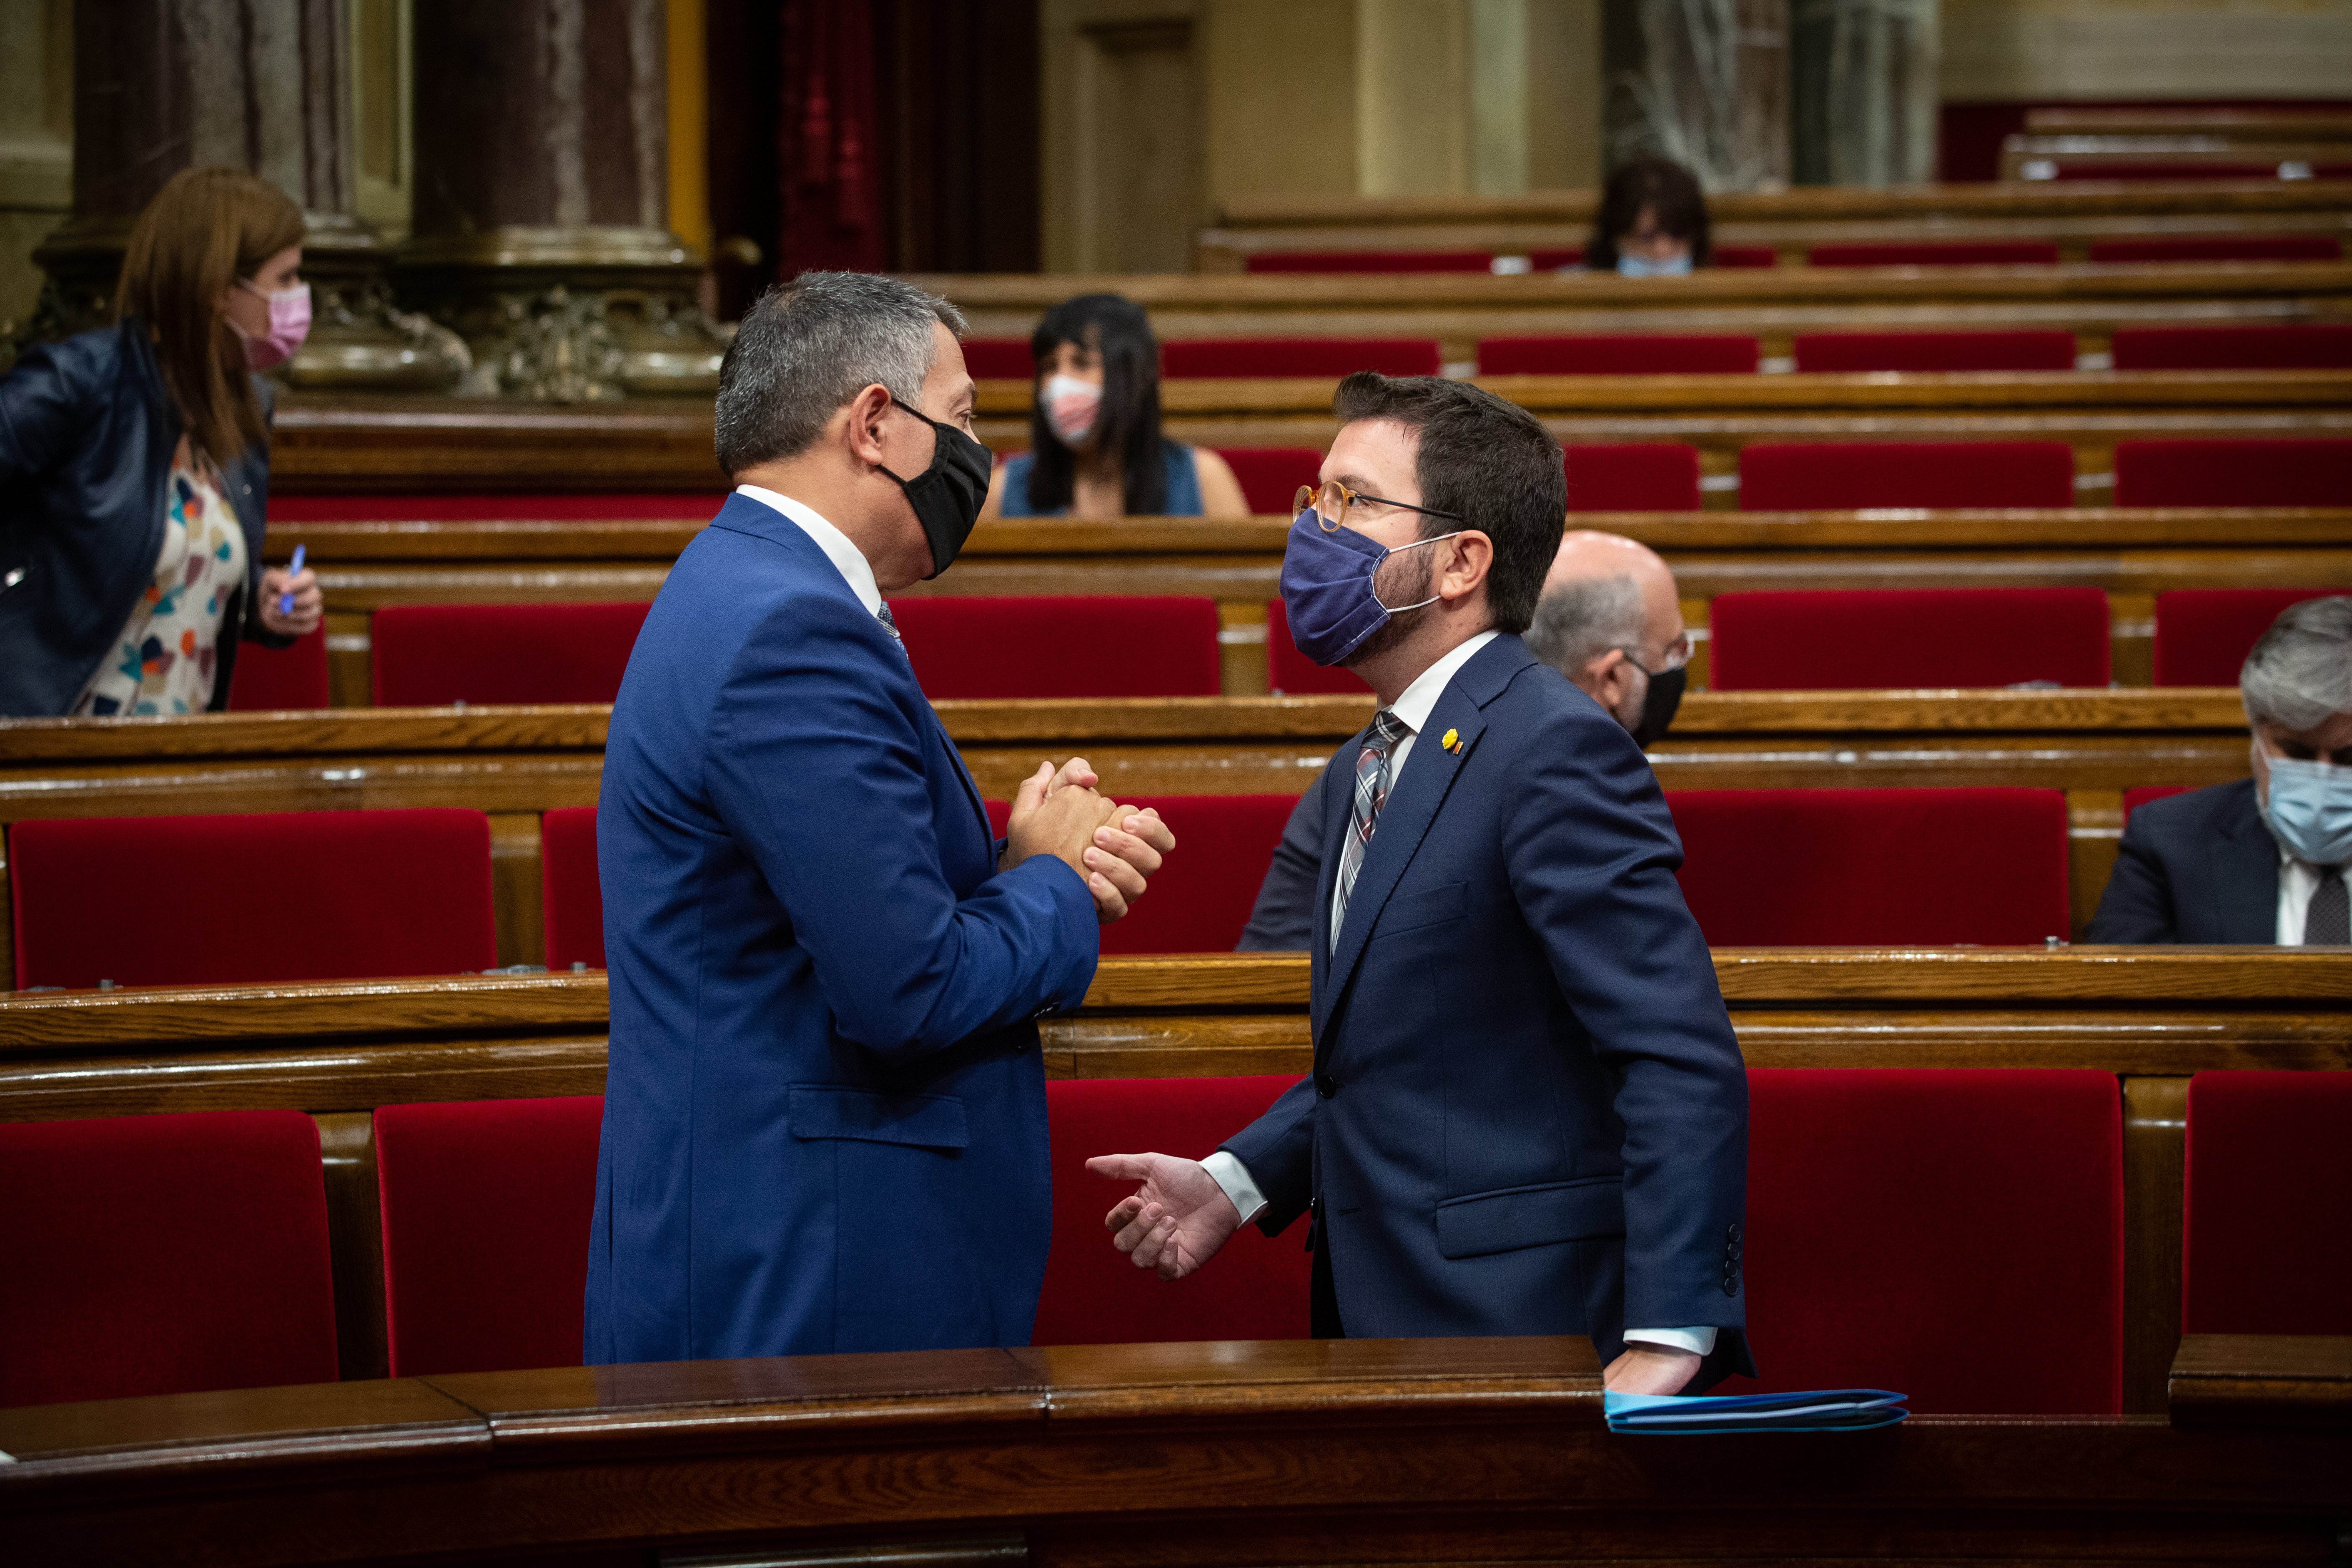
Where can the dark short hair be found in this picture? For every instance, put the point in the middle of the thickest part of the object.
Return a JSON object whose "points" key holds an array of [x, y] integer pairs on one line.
{"points": [[1657, 182], [1488, 461], [1129, 423]]}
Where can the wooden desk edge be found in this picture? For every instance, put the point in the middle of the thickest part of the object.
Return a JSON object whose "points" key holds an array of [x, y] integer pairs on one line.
{"points": [[2236, 1380]]}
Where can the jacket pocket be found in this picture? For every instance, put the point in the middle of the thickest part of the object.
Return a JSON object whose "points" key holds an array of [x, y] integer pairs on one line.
{"points": [[922, 1121], [1513, 1217], [1432, 906]]}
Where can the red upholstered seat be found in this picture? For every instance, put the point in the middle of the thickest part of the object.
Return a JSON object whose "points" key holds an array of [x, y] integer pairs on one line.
{"points": [[1270, 476], [430, 655], [988, 647], [1804, 868], [1938, 253], [1256, 1286], [1370, 261], [2137, 797], [271, 680], [1839, 475], [1871, 639], [1956, 1236], [571, 898], [312, 895], [2306, 346], [2222, 248], [1618, 353], [1290, 673], [2269, 1204], [2234, 473], [1201, 898], [1935, 351], [1552, 258], [2204, 635], [1298, 356], [146, 1254], [1634, 476], [588, 506], [999, 359], [1742, 255], [486, 1209]]}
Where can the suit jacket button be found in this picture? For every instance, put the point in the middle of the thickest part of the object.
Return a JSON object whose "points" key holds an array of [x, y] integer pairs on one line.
{"points": [[1326, 1085], [1731, 1232], [1730, 1285]]}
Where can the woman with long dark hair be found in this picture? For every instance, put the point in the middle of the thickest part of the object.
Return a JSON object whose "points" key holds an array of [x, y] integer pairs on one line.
{"points": [[1094, 446], [1652, 222]]}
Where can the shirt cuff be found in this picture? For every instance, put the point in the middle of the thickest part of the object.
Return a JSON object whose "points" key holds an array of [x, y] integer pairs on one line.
{"points": [[1697, 1341], [1235, 1178]]}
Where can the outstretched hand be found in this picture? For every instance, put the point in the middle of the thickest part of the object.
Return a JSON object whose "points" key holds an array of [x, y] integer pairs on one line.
{"points": [[1175, 1221]]}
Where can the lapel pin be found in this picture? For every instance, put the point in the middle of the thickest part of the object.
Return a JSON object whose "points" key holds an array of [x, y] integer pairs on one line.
{"points": [[1451, 740]]}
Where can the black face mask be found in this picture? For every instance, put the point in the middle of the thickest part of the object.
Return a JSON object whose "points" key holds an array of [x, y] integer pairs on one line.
{"points": [[1658, 704], [946, 495]]}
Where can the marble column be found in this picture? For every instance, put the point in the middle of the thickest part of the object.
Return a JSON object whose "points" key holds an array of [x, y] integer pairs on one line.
{"points": [[541, 230], [1866, 84], [1705, 82]]}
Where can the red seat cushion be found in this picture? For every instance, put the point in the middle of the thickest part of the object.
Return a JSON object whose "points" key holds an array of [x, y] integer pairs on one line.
{"points": [[2269, 1204], [2140, 795], [1270, 476], [1298, 356], [1799, 868], [1551, 259], [1743, 255], [1618, 353], [2222, 248], [2204, 635], [1634, 476], [1940, 253], [1256, 1286], [573, 898], [1935, 351], [315, 895], [272, 680], [1370, 261], [985, 646], [486, 1209], [2313, 346], [430, 655], [146, 1254], [1290, 673], [2226, 473], [1956, 1236], [999, 359], [1871, 639], [1843, 475], [588, 506]]}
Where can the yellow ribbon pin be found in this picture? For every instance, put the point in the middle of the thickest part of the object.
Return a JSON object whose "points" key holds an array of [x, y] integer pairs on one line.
{"points": [[1450, 740]]}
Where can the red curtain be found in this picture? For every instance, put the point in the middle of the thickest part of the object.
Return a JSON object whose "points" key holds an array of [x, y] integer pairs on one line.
{"points": [[828, 141]]}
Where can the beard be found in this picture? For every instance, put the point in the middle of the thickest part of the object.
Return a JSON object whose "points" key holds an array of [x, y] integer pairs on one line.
{"points": [[1409, 584]]}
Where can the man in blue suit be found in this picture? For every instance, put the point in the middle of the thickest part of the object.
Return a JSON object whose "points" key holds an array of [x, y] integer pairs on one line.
{"points": [[1529, 1113], [824, 1118]]}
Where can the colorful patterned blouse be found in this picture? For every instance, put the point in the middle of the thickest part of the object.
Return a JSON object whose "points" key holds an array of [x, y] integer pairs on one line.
{"points": [[164, 661]]}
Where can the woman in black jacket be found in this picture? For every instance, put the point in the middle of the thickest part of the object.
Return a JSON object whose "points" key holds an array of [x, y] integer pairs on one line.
{"points": [[134, 468]]}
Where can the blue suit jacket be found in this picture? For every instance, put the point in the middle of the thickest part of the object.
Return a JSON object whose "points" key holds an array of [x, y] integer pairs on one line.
{"points": [[1529, 1113], [825, 1120], [2195, 867]]}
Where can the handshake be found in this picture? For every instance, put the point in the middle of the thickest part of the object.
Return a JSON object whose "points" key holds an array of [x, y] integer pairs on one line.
{"points": [[1115, 849]]}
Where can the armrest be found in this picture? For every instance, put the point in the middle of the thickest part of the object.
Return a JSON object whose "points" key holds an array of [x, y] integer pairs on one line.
{"points": [[2262, 1379]]}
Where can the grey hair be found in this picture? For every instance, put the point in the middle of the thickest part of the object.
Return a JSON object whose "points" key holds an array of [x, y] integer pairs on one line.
{"points": [[806, 347], [1585, 617], [2300, 671]]}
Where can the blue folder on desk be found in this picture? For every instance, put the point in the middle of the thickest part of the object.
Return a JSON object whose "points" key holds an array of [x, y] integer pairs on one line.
{"points": [[1815, 1410]]}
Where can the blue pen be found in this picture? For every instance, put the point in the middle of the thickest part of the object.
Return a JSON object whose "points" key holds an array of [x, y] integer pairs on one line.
{"points": [[293, 569]]}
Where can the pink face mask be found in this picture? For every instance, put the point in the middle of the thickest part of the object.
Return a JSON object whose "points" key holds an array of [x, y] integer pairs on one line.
{"points": [[289, 323]]}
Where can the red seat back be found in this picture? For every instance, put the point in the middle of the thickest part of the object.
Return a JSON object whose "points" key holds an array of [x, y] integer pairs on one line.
{"points": [[317, 895], [1552, 258], [1873, 867], [1938, 253], [1290, 673], [486, 1209], [1618, 353], [999, 359], [986, 646], [1904, 1226], [146, 1254], [1935, 351], [1298, 356], [430, 655], [2269, 1204], [1270, 476], [1634, 476], [2222, 248], [588, 506], [2228, 473], [1370, 261], [1843, 475], [1910, 638], [571, 898], [1742, 255], [2204, 635], [1200, 900], [1256, 1287], [2309, 346], [2141, 794], [275, 680]]}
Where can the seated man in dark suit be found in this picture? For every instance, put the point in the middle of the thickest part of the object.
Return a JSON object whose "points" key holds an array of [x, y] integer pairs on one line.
{"points": [[2263, 859], [1610, 620]]}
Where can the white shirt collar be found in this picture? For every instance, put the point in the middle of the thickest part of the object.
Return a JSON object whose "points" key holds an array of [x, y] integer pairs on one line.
{"points": [[845, 557], [1413, 708]]}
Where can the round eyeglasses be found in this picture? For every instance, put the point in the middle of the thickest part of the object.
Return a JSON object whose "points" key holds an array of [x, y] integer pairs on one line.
{"points": [[1330, 500]]}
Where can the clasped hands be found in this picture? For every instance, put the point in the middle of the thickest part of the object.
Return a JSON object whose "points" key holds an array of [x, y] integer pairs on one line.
{"points": [[1115, 849]]}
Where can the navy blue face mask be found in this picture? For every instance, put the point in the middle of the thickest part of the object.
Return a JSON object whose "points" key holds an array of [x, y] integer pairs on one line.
{"points": [[1327, 587]]}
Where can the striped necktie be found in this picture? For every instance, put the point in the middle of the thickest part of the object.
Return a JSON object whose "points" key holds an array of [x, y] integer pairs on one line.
{"points": [[1371, 793], [890, 624], [2328, 921]]}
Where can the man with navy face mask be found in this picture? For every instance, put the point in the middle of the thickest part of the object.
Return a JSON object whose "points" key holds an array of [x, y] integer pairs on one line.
{"points": [[1529, 1113], [2265, 859]]}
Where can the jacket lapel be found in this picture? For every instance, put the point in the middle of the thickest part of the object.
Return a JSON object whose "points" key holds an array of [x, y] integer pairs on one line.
{"points": [[2246, 874]]}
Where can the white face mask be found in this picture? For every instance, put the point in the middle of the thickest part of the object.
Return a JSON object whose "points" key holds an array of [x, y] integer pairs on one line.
{"points": [[1071, 407], [1643, 267], [2308, 809]]}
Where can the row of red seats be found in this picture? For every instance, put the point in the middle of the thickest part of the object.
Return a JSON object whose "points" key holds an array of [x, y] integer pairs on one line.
{"points": [[1912, 253], [1956, 1234]]}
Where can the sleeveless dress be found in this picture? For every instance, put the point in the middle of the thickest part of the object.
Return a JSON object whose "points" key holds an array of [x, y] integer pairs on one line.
{"points": [[164, 659], [1184, 484]]}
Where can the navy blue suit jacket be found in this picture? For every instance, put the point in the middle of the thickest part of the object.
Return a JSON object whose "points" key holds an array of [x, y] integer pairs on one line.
{"points": [[2195, 867], [825, 1119], [1283, 919], [1529, 1113]]}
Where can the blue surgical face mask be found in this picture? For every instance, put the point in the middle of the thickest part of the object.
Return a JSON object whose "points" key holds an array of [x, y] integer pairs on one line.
{"points": [[2309, 810], [1641, 267], [1327, 588]]}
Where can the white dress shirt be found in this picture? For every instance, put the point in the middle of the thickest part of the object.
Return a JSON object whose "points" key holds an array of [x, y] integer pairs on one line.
{"points": [[2299, 880], [845, 557], [1412, 709]]}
